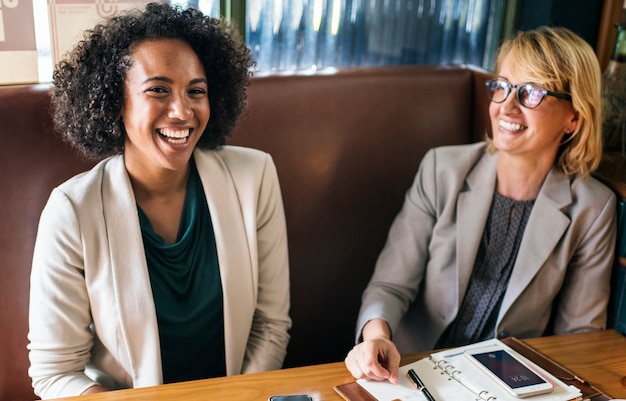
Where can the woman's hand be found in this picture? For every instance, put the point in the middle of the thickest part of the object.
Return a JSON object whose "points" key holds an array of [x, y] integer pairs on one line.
{"points": [[376, 358]]}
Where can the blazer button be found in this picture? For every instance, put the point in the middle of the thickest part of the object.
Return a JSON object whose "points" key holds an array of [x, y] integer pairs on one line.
{"points": [[503, 334]]}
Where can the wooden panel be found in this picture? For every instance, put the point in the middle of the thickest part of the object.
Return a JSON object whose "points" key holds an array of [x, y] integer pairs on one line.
{"points": [[606, 32]]}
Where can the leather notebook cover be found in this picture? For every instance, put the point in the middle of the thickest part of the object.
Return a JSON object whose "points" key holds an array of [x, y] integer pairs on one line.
{"points": [[559, 371], [353, 392]]}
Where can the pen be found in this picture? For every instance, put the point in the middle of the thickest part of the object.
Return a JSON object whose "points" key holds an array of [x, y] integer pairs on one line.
{"points": [[418, 384]]}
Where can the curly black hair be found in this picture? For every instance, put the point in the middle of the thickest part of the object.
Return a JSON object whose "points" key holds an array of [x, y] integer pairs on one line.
{"points": [[88, 85]]}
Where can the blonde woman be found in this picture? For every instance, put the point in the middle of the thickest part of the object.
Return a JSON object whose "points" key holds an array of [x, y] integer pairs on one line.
{"points": [[508, 237]]}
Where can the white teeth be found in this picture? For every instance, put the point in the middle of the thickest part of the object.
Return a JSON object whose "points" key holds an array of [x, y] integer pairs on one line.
{"points": [[170, 133], [511, 126]]}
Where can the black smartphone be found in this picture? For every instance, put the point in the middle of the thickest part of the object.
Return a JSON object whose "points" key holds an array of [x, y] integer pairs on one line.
{"points": [[294, 397]]}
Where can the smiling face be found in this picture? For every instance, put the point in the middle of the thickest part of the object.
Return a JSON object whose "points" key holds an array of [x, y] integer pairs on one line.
{"points": [[166, 106], [534, 134]]}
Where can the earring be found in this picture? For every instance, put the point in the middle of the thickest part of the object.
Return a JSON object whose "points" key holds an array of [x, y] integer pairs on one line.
{"points": [[568, 136]]}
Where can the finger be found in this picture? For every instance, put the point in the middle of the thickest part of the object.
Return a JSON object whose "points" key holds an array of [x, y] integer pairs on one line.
{"points": [[373, 366], [393, 366], [353, 366], [361, 365]]}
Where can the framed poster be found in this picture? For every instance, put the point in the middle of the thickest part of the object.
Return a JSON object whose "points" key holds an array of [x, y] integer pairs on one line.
{"points": [[70, 18], [18, 47]]}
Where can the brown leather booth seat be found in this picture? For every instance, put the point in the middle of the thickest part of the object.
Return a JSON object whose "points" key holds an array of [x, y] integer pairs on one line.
{"points": [[346, 146]]}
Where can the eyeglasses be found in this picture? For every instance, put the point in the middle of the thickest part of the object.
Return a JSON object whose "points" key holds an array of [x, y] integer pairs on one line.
{"points": [[528, 95]]}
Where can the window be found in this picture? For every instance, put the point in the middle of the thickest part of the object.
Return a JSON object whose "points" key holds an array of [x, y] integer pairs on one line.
{"points": [[305, 36], [310, 35]]}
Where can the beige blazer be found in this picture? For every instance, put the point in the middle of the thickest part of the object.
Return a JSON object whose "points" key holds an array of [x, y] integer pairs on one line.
{"points": [[92, 313], [562, 271]]}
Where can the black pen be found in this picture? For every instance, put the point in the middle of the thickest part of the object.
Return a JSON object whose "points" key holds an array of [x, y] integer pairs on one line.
{"points": [[419, 384]]}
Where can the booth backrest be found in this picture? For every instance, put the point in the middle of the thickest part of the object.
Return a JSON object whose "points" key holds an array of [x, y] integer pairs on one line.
{"points": [[346, 146]]}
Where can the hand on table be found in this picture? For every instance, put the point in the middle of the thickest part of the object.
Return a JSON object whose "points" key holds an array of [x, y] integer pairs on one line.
{"points": [[376, 358]]}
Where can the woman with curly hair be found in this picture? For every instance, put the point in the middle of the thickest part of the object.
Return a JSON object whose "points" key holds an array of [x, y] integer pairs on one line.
{"points": [[168, 260]]}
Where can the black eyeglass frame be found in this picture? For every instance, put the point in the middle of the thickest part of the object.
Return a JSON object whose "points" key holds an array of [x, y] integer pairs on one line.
{"points": [[509, 86]]}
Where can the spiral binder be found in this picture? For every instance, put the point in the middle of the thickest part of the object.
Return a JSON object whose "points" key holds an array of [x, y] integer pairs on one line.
{"points": [[450, 376], [455, 374]]}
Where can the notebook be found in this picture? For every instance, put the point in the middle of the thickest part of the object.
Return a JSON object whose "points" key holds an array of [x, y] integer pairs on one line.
{"points": [[450, 376]]}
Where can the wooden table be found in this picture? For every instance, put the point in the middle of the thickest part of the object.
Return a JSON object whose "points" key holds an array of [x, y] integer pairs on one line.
{"points": [[598, 357]]}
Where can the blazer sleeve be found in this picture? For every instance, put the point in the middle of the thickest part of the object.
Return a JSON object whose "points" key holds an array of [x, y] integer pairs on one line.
{"points": [[267, 343], [59, 336], [583, 299]]}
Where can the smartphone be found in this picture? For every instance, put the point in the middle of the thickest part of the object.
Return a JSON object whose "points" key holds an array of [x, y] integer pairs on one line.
{"points": [[295, 397], [508, 371]]}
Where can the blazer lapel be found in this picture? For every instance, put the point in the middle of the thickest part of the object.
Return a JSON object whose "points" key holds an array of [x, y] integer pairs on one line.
{"points": [[545, 227], [135, 304], [472, 216], [233, 251]]}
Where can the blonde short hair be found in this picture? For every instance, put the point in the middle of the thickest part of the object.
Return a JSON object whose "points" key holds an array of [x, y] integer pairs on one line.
{"points": [[559, 60]]}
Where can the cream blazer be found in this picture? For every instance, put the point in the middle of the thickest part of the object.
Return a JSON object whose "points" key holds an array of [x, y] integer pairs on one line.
{"points": [[560, 280], [92, 315]]}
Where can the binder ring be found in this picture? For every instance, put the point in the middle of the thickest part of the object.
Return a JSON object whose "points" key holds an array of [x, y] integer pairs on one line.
{"points": [[440, 363], [484, 396], [449, 370]]}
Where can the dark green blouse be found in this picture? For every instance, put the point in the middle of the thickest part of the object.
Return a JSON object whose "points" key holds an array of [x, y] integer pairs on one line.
{"points": [[187, 291]]}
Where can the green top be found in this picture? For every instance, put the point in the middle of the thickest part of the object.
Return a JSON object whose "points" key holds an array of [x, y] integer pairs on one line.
{"points": [[187, 291]]}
